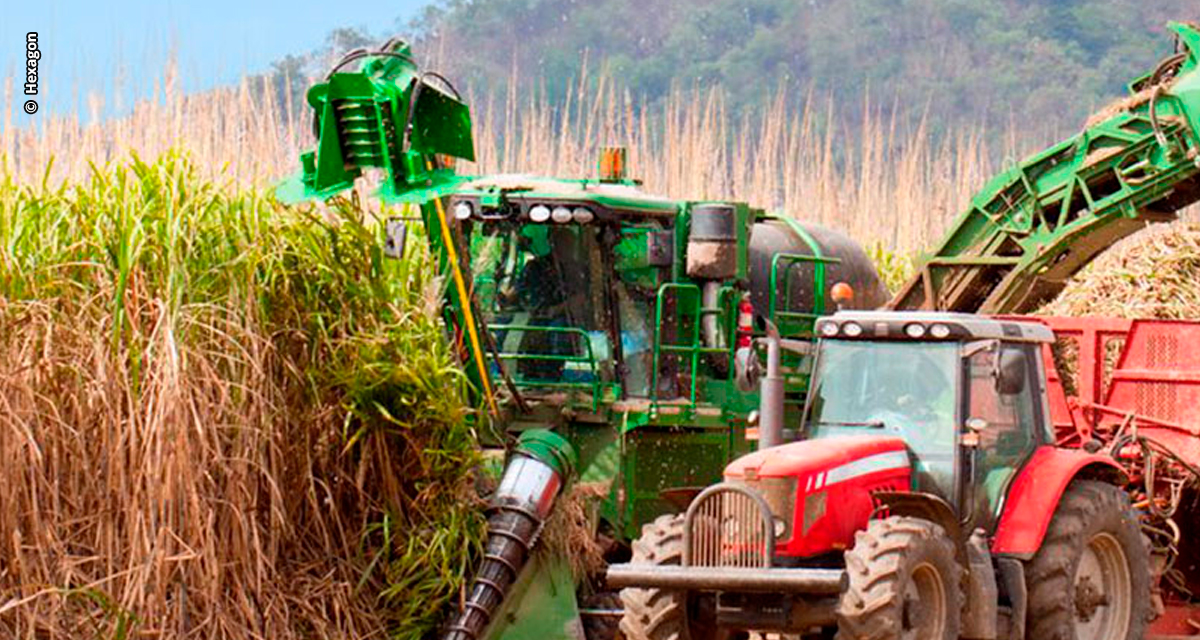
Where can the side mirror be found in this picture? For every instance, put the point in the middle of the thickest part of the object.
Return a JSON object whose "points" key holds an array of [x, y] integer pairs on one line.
{"points": [[1011, 373], [747, 370]]}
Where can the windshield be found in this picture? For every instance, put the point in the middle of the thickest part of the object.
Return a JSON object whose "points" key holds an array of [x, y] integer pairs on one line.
{"points": [[540, 289], [905, 389]]}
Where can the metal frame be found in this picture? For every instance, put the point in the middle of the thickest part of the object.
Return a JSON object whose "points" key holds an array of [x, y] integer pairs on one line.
{"points": [[716, 491], [781, 317], [694, 348], [596, 385]]}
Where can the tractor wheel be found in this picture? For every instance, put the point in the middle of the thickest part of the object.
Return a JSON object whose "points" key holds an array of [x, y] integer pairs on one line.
{"points": [[1091, 578], [904, 583], [663, 614]]}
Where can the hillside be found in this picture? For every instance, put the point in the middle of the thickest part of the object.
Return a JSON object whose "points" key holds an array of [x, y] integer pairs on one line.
{"points": [[1001, 63]]}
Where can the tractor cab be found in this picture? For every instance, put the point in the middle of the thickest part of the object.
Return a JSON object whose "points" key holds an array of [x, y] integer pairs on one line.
{"points": [[941, 409], [962, 392]]}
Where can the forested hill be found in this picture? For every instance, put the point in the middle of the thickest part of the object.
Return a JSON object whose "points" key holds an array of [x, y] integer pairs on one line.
{"points": [[967, 61]]}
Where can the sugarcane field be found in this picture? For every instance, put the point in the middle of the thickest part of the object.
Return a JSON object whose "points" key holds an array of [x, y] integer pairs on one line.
{"points": [[600, 320]]}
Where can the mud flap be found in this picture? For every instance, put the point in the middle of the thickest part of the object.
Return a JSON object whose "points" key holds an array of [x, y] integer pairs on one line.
{"points": [[1012, 573]]}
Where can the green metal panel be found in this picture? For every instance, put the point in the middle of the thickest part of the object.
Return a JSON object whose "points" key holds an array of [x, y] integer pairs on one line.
{"points": [[541, 605], [658, 457], [442, 124]]}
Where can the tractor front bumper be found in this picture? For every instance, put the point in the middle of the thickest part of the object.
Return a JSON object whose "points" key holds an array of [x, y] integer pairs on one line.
{"points": [[742, 579]]}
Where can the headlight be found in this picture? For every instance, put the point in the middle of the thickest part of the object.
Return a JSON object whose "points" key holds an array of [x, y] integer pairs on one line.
{"points": [[852, 329], [939, 331], [583, 215], [462, 210], [828, 329], [561, 215], [540, 213], [915, 331], [780, 496]]}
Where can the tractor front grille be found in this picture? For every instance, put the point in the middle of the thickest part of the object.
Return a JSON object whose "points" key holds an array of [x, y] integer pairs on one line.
{"points": [[728, 525]]}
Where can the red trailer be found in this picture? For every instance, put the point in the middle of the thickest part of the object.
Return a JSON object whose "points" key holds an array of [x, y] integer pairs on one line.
{"points": [[1132, 388]]}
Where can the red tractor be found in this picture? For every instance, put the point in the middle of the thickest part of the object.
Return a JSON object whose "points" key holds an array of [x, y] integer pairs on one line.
{"points": [[926, 497]]}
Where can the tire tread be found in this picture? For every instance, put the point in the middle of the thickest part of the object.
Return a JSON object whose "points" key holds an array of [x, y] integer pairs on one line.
{"points": [[871, 607]]}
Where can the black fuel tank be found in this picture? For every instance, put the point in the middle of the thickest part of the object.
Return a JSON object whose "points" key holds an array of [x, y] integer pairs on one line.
{"points": [[773, 236]]}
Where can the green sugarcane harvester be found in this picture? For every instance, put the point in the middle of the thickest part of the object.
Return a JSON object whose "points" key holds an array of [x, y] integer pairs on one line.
{"points": [[609, 332], [605, 330]]}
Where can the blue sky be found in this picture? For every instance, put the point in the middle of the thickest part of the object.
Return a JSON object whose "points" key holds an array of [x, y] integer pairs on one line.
{"points": [[118, 48]]}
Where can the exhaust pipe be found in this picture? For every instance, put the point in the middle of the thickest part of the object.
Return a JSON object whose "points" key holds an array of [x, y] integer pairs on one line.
{"points": [[709, 325], [770, 410], [541, 464]]}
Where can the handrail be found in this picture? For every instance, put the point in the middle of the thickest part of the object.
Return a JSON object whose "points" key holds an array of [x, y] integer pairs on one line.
{"points": [[596, 383], [693, 347], [773, 314]]}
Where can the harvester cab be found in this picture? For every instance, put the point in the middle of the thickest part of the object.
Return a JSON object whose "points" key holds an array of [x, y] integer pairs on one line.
{"points": [[925, 499], [578, 286]]}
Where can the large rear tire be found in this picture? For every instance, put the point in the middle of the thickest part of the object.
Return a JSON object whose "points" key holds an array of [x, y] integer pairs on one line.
{"points": [[1090, 580], [662, 614], [904, 583]]}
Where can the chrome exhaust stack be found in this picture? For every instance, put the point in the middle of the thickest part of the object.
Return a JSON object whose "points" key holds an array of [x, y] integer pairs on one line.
{"points": [[771, 393]]}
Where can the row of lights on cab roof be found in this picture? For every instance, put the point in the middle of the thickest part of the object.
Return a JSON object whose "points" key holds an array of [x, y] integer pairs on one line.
{"points": [[613, 163], [538, 213], [852, 329], [843, 295]]}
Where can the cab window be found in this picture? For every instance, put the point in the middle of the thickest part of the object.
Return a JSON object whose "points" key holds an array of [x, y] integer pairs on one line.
{"points": [[905, 389], [1003, 416]]}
